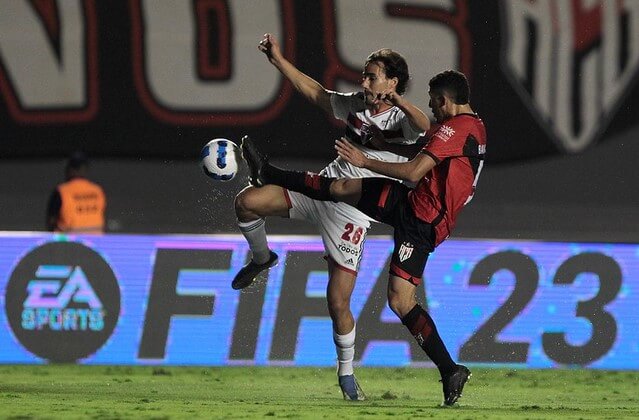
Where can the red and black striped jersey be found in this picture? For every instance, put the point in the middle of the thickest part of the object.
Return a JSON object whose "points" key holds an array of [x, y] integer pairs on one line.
{"points": [[458, 146]]}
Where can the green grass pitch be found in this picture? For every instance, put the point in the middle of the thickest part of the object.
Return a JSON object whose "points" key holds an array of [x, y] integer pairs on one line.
{"points": [[111, 392]]}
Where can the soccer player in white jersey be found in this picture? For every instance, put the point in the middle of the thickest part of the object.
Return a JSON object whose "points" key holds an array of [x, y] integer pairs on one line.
{"points": [[379, 109]]}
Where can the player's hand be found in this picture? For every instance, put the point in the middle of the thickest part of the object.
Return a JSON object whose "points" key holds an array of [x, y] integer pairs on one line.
{"points": [[389, 97], [270, 47], [377, 137], [350, 153]]}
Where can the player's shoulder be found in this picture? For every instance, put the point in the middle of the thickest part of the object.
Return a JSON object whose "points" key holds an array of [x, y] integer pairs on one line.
{"points": [[474, 125], [454, 127], [351, 100], [347, 95], [463, 122], [464, 119]]}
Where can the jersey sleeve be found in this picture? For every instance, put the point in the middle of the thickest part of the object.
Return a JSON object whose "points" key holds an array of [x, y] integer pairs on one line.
{"points": [[342, 103], [410, 133], [447, 141]]}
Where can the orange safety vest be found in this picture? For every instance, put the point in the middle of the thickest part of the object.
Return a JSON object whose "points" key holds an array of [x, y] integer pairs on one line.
{"points": [[83, 204]]}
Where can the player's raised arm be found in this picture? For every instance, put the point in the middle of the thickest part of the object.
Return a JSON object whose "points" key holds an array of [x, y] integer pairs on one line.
{"points": [[307, 86], [416, 116]]}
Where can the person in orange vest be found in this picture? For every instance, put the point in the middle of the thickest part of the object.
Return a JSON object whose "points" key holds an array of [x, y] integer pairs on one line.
{"points": [[77, 205]]}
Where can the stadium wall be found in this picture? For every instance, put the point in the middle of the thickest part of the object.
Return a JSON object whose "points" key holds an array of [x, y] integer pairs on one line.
{"points": [[167, 300], [142, 78]]}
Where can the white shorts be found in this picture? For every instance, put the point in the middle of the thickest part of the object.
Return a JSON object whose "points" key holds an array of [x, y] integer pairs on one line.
{"points": [[343, 228]]}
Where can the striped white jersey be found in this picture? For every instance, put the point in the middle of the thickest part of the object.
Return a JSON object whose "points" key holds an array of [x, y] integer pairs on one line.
{"points": [[351, 108]]}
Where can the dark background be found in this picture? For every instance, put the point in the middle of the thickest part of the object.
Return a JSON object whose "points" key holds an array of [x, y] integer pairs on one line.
{"points": [[530, 188], [124, 128], [586, 197]]}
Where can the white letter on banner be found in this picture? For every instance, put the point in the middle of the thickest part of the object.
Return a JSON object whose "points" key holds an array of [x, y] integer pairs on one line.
{"points": [[414, 29], [39, 76], [180, 88]]}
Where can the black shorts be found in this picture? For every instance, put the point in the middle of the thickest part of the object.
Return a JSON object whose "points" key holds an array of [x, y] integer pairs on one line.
{"points": [[386, 201]]}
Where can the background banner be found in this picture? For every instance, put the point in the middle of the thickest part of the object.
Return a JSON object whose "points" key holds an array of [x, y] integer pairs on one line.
{"points": [[149, 78], [127, 299]]}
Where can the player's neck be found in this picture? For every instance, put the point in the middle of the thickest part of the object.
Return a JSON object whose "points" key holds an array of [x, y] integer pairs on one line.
{"points": [[380, 107], [460, 109]]}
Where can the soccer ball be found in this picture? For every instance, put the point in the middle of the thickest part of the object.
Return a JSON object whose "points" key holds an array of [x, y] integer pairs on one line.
{"points": [[219, 159]]}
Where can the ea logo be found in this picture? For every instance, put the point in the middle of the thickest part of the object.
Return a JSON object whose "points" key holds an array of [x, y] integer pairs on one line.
{"points": [[62, 301]]}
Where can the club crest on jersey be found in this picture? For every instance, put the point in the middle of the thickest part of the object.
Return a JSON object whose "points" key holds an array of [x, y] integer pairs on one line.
{"points": [[405, 251], [365, 134], [576, 68]]}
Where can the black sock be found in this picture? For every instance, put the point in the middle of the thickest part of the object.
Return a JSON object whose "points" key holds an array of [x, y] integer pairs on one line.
{"points": [[312, 185], [422, 327]]}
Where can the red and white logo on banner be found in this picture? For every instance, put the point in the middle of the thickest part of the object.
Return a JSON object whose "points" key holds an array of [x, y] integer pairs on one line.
{"points": [[572, 62]]}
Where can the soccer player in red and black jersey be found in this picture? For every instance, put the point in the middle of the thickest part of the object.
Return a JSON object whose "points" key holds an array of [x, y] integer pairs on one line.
{"points": [[445, 171]]}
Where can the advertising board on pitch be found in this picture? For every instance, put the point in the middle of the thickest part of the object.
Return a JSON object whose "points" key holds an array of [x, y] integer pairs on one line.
{"points": [[133, 299]]}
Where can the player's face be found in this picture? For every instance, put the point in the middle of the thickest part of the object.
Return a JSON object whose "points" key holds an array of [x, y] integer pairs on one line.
{"points": [[374, 82], [436, 104]]}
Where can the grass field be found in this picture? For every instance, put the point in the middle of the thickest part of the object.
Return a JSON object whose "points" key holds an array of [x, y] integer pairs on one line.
{"points": [[72, 391]]}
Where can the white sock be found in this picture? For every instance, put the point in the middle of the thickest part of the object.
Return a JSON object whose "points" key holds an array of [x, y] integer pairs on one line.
{"points": [[255, 234], [345, 347]]}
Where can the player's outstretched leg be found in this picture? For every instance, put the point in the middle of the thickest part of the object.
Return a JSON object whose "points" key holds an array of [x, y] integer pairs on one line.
{"points": [[247, 274], [350, 388], [453, 384], [262, 173], [255, 160]]}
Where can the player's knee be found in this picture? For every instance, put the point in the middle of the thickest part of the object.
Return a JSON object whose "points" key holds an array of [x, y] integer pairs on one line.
{"points": [[399, 303], [245, 202], [339, 188], [338, 305], [343, 189], [394, 303]]}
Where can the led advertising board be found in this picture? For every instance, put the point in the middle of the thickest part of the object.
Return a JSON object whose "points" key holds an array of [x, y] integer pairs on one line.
{"points": [[133, 299]]}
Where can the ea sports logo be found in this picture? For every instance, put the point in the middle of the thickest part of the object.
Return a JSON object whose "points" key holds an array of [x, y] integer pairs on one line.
{"points": [[62, 301]]}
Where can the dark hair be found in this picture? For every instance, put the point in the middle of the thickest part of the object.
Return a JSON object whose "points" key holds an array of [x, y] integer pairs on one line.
{"points": [[77, 160], [394, 66], [453, 83]]}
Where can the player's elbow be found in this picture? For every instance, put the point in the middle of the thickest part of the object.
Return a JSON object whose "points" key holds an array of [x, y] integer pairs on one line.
{"points": [[419, 167], [426, 126], [423, 124], [321, 98], [414, 176]]}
